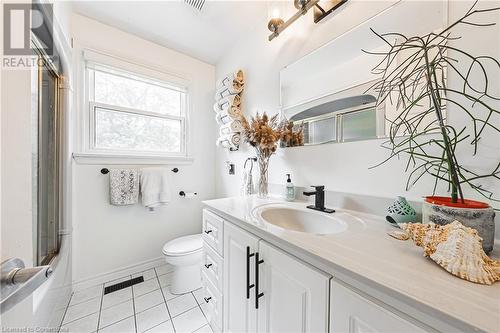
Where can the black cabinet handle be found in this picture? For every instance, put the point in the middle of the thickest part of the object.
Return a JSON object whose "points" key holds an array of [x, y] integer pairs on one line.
{"points": [[207, 299], [208, 265], [257, 294], [249, 286], [208, 231]]}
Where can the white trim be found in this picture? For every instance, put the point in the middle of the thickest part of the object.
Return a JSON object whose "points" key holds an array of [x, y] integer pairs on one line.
{"points": [[117, 273], [134, 67], [103, 158]]}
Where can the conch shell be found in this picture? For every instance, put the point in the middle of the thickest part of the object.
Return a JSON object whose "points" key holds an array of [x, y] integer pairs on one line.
{"points": [[455, 247]]}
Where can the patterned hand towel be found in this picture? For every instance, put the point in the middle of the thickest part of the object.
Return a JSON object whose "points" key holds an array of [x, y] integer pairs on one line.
{"points": [[123, 186]]}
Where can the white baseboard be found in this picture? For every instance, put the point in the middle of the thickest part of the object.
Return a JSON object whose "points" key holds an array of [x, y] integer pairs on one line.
{"points": [[117, 273]]}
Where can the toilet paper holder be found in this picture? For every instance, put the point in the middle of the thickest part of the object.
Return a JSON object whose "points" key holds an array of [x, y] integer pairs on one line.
{"points": [[184, 194]]}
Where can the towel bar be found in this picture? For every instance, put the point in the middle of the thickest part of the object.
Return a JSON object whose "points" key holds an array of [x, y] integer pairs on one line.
{"points": [[105, 171]]}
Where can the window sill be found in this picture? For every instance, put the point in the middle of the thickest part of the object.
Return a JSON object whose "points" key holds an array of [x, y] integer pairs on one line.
{"points": [[93, 158]]}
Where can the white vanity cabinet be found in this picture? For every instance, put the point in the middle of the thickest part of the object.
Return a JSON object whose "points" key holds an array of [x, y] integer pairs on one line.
{"points": [[252, 286], [268, 290], [353, 313], [213, 268]]}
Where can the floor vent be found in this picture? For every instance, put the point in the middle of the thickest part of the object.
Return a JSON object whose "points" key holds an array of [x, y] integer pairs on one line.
{"points": [[122, 285], [198, 4]]}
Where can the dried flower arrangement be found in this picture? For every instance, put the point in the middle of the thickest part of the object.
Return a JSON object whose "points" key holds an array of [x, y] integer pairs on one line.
{"points": [[292, 135], [264, 134]]}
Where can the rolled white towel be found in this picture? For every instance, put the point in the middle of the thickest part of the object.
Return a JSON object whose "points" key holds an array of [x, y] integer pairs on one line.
{"points": [[231, 79], [237, 76], [231, 140], [224, 142], [227, 102], [233, 111], [217, 107], [231, 100], [222, 119], [224, 91], [231, 127], [227, 116], [232, 85]]}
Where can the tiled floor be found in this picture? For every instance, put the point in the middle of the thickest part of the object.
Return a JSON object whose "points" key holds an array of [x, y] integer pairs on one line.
{"points": [[145, 307]]}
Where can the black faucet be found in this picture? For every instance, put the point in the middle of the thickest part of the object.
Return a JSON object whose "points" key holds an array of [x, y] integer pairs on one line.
{"points": [[319, 202]]}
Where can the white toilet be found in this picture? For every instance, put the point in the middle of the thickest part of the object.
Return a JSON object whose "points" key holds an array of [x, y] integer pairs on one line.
{"points": [[185, 255]]}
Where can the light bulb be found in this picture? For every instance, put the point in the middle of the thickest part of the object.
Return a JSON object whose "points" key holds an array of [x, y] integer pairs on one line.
{"points": [[275, 13]]}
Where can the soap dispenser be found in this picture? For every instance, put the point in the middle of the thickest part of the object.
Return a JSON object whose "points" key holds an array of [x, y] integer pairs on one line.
{"points": [[290, 189]]}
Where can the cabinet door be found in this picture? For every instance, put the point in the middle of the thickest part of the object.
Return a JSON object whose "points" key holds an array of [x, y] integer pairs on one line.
{"points": [[352, 313], [295, 295], [239, 312]]}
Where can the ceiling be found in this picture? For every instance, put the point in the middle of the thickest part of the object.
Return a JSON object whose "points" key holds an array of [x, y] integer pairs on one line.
{"points": [[205, 35]]}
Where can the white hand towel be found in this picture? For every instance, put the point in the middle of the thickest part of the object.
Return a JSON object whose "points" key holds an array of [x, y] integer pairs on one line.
{"points": [[155, 188], [123, 186]]}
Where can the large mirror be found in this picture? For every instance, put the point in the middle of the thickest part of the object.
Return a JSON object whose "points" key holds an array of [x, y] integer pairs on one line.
{"points": [[330, 93]]}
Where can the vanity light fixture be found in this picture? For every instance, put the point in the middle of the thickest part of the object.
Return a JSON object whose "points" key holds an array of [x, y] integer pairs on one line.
{"points": [[321, 10], [275, 22]]}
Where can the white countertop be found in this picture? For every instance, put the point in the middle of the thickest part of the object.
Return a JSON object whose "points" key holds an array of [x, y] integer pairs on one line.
{"points": [[368, 253]]}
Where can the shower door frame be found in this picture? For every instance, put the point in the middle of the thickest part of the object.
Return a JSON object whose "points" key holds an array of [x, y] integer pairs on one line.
{"points": [[45, 63]]}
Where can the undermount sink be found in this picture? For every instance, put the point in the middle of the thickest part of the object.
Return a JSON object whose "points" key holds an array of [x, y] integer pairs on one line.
{"points": [[295, 217]]}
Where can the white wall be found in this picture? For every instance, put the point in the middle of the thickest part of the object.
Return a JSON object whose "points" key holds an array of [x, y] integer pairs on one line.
{"points": [[109, 238], [341, 167]]}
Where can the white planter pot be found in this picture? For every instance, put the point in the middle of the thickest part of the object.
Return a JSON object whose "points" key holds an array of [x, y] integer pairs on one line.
{"points": [[481, 219]]}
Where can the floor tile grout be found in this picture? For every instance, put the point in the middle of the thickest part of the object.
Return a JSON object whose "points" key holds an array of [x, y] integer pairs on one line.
{"points": [[165, 300], [65, 311], [100, 307], [183, 312], [163, 322], [149, 308], [115, 322], [87, 300], [133, 307], [87, 315]]}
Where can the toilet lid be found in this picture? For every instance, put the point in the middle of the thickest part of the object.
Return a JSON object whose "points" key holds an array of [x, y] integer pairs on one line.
{"points": [[183, 245]]}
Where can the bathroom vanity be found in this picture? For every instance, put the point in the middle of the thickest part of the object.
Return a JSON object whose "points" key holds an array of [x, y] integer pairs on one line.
{"points": [[273, 266]]}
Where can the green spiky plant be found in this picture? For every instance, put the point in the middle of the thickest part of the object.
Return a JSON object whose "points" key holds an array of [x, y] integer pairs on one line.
{"points": [[414, 69]]}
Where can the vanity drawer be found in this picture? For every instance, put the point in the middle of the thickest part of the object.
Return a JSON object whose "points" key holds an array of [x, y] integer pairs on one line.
{"points": [[213, 231], [212, 308], [213, 266]]}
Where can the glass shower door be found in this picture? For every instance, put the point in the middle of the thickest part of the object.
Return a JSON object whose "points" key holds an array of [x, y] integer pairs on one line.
{"points": [[45, 162]]}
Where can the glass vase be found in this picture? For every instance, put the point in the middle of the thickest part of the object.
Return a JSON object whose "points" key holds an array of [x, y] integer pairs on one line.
{"points": [[263, 176]]}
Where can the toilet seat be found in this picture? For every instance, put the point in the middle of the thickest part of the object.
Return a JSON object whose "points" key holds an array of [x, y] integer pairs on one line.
{"points": [[183, 246]]}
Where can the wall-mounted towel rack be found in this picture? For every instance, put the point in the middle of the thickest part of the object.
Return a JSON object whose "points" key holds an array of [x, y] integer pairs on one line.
{"points": [[105, 171]]}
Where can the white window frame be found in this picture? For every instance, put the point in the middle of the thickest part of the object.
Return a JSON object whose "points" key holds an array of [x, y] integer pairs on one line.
{"points": [[88, 153]]}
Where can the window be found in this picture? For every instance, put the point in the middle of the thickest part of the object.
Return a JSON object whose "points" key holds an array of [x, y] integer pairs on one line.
{"points": [[133, 114]]}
